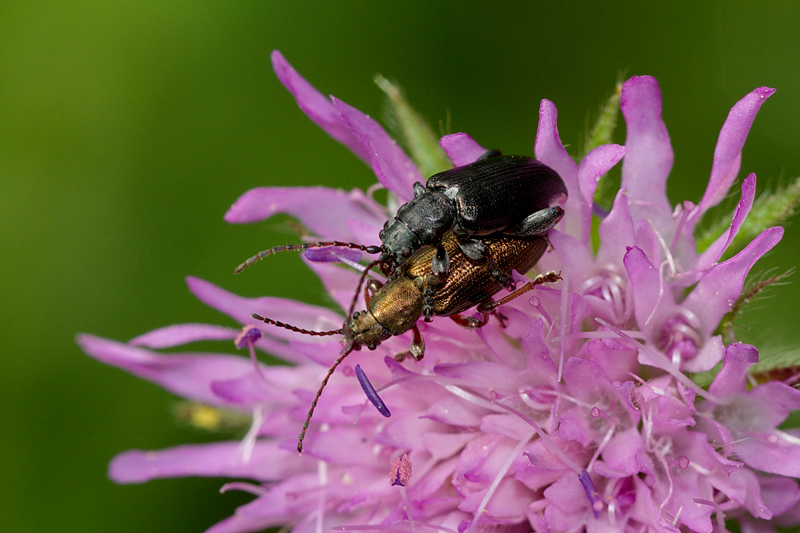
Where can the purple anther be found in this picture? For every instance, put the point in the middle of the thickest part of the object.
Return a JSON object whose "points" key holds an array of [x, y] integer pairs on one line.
{"points": [[248, 337], [372, 395], [591, 492]]}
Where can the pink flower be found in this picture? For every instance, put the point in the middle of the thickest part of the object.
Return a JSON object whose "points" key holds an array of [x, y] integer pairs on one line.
{"points": [[577, 416]]}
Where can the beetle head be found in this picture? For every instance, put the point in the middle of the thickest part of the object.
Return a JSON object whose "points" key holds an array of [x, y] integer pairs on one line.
{"points": [[398, 243], [364, 330]]}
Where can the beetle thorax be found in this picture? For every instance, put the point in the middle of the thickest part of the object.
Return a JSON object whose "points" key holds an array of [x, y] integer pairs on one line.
{"points": [[423, 220], [397, 305]]}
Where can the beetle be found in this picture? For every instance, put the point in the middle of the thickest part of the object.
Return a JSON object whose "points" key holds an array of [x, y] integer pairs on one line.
{"points": [[507, 194], [395, 307], [498, 194]]}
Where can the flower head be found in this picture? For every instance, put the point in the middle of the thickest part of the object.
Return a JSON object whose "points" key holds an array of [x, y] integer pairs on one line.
{"points": [[576, 413]]}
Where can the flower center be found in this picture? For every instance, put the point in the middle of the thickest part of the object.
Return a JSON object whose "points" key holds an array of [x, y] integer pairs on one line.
{"points": [[608, 285], [680, 336]]}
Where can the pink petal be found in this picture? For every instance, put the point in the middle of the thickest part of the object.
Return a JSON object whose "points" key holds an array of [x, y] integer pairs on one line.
{"points": [[715, 251], [239, 308], [718, 291], [621, 453], [779, 494], [318, 107], [551, 152], [649, 158], [593, 167], [461, 148], [390, 163], [616, 232], [651, 300], [776, 453], [187, 375], [217, 459], [326, 212], [728, 153], [179, 334], [731, 379]]}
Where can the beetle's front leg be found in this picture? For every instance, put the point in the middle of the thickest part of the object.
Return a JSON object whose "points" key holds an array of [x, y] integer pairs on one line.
{"points": [[417, 350], [440, 266]]}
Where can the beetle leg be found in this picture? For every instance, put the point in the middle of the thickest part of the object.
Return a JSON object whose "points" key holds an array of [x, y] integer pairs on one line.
{"points": [[428, 290], [418, 344], [470, 322], [371, 288], [499, 275], [489, 153], [474, 249], [538, 223], [491, 305], [417, 350], [441, 262]]}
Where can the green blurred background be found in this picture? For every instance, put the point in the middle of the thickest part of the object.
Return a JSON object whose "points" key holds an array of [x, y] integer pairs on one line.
{"points": [[128, 128]]}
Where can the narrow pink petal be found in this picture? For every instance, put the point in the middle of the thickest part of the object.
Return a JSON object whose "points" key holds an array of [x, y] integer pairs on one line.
{"points": [[731, 379], [577, 257], [187, 375], [239, 308], [779, 494], [326, 212], [616, 233], [217, 459], [728, 153], [648, 293], [775, 453], [318, 107], [717, 292], [776, 400], [393, 168], [551, 152], [461, 148], [178, 334], [649, 159], [715, 251], [289, 311], [593, 167]]}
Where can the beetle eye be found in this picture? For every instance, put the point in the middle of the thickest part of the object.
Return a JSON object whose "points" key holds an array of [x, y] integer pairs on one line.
{"points": [[406, 251], [380, 234]]}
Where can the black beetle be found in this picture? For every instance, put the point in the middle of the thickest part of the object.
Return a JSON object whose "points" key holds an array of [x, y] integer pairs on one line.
{"points": [[505, 194], [395, 307]]}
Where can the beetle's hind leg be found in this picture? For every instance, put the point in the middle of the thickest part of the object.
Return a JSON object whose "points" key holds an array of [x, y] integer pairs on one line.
{"points": [[538, 223], [489, 307]]}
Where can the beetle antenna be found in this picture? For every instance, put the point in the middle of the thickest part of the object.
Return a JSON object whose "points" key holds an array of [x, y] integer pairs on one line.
{"points": [[305, 246], [296, 329], [347, 350]]}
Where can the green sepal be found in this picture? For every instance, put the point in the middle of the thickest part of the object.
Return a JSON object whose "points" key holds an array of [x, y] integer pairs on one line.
{"points": [[412, 130], [602, 132]]}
